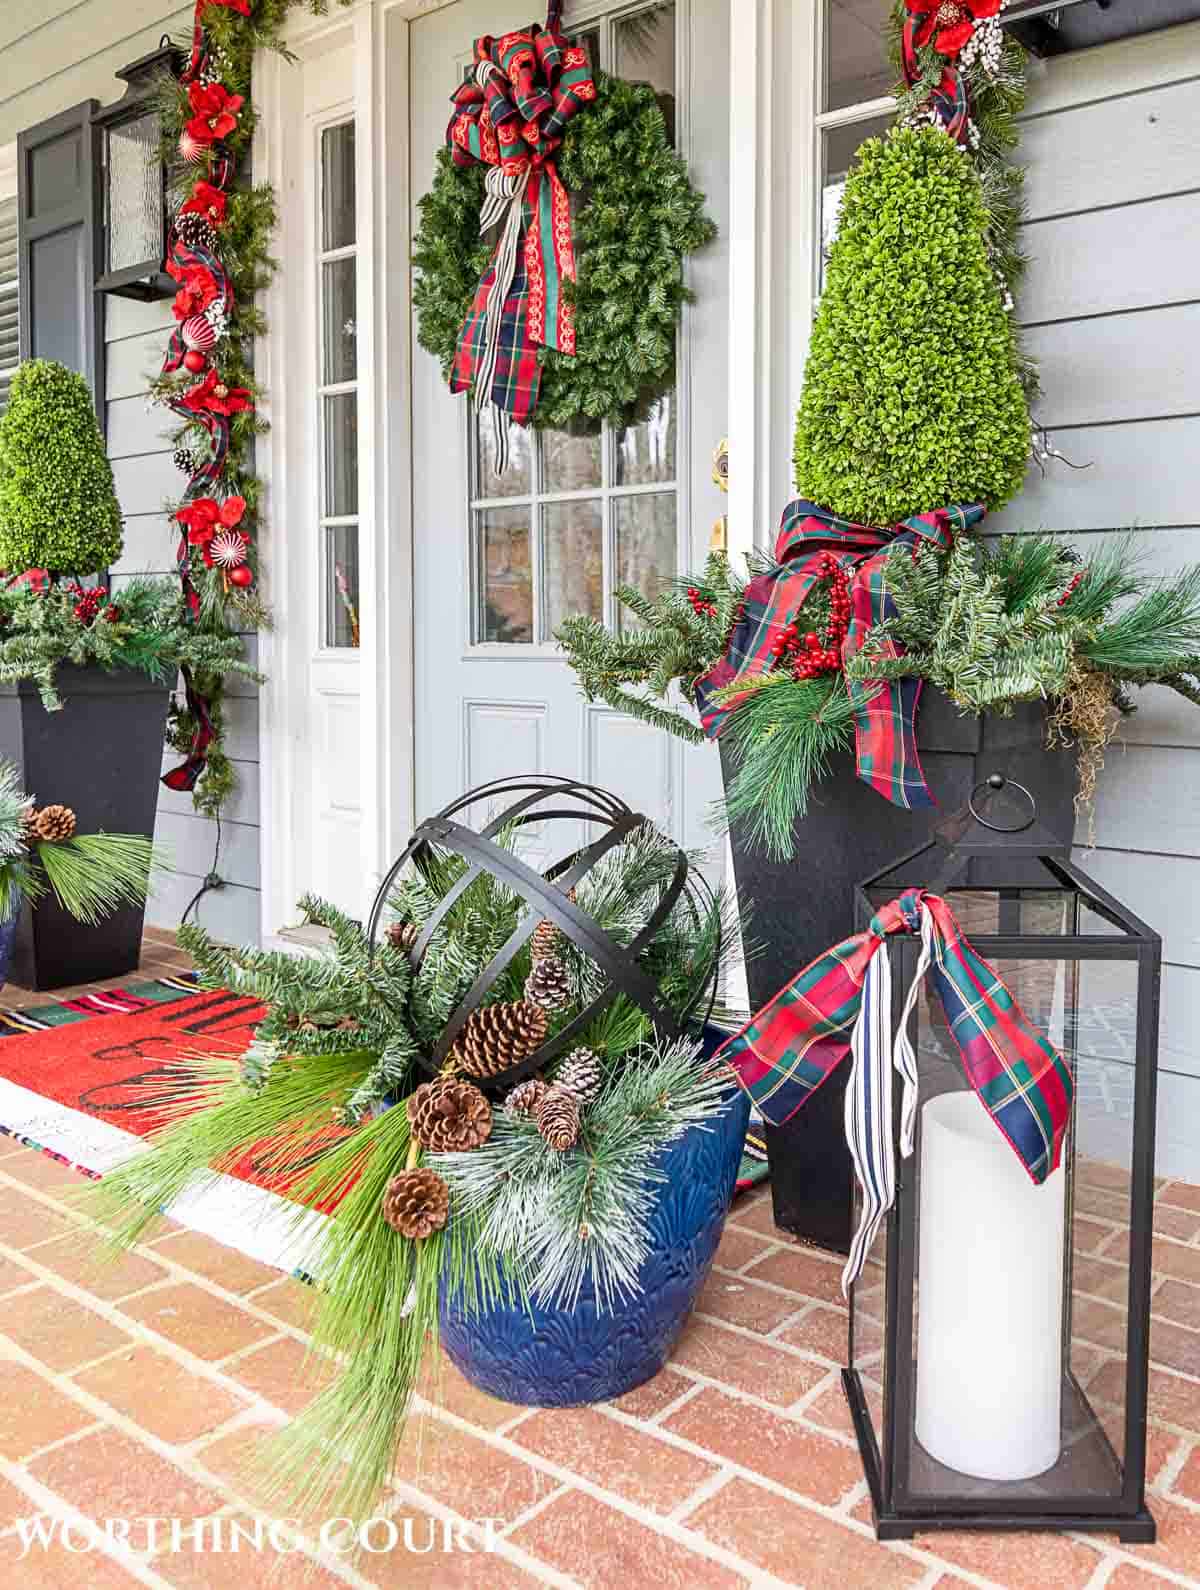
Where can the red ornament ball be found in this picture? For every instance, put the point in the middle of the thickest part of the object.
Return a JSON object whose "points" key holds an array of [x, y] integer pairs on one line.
{"points": [[194, 361], [242, 576], [197, 332]]}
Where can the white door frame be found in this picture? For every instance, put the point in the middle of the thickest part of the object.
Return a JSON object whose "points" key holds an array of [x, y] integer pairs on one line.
{"points": [[772, 79]]}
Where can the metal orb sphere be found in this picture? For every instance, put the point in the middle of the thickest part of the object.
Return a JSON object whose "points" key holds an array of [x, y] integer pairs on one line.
{"points": [[546, 800]]}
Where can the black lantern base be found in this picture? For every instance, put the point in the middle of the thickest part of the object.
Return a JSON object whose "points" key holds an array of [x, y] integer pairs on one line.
{"points": [[1070, 1478]]}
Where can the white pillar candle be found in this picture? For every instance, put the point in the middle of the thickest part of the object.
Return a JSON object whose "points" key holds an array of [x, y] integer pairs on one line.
{"points": [[990, 1290]]}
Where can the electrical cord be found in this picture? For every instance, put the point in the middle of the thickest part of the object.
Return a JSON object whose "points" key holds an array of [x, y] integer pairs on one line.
{"points": [[212, 880]]}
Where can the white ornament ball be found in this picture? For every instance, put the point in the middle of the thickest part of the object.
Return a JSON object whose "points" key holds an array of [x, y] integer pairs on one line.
{"points": [[197, 332]]}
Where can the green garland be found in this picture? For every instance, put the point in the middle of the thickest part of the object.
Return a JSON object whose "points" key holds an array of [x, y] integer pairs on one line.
{"points": [[640, 219]]}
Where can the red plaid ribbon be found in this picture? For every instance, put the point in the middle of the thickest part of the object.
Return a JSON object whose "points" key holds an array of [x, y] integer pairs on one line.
{"points": [[841, 1004], [948, 101], [885, 712], [510, 115]]}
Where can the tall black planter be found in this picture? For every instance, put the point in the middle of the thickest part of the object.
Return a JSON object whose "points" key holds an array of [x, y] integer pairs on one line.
{"points": [[101, 755], [801, 906]]}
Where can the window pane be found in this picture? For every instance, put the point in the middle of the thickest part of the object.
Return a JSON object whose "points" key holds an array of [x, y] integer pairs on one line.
{"points": [[646, 452], [857, 67], [341, 585], [570, 463], [337, 186], [838, 146], [644, 52], [135, 215], [339, 362], [572, 562], [645, 540], [504, 575], [515, 481], [341, 455]]}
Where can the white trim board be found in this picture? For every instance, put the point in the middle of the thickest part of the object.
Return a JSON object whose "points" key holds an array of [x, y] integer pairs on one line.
{"points": [[250, 1219]]}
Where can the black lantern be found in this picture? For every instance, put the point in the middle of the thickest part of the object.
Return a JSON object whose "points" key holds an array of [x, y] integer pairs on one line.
{"points": [[1053, 27], [998, 1363], [135, 182]]}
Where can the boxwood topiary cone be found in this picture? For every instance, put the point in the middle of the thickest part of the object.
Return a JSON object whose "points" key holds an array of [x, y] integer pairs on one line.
{"points": [[58, 508], [912, 397]]}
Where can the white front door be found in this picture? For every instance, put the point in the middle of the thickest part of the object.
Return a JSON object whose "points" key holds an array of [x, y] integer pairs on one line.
{"points": [[501, 560]]}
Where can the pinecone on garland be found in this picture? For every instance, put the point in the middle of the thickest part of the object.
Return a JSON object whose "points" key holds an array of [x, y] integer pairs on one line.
{"points": [[558, 1119], [28, 824], [196, 231], [402, 935], [447, 1116], [416, 1203], [582, 1074], [183, 460], [548, 984], [547, 936], [54, 824], [526, 1096], [498, 1036]]}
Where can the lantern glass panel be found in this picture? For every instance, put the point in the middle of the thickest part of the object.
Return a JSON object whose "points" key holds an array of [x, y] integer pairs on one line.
{"points": [[135, 192]]}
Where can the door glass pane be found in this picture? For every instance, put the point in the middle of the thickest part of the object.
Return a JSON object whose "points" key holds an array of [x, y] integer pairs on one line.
{"points": [[644, 52], [341, 594], [339, 361], [838, 145], [337, 186], [857, 67], [645, 540], [570, 463], [572, 562], [516, 479], [504, 575], [341, 455], [646, 452]]}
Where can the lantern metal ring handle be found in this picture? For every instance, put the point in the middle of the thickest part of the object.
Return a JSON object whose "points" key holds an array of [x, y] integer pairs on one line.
{"points": [[996, 782]]}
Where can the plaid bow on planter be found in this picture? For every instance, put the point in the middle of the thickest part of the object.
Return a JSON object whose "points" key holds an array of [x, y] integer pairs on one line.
{"points": [[510, 115], [885, 711], [841, 1003]]}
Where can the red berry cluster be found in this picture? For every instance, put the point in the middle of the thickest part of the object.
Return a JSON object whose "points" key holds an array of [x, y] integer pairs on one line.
{"points": [[699, 605], [89, 603], [1071, 589], [805, 655]]}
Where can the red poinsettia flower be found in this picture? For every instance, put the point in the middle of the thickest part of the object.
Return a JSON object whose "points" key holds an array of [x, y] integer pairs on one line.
{"points": [[205, 517], [212, 396], [197, 289], [207, 201], [214, 112], [949, 24]]}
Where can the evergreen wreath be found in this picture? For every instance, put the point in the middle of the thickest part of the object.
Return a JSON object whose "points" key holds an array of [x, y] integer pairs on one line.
{"points": [[639, 218]]}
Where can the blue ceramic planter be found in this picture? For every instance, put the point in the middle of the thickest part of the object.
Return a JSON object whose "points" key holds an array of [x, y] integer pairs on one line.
{"points": [[558, 1357]]}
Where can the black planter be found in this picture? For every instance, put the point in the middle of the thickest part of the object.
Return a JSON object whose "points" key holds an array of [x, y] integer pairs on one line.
{"points": [[799, 907], [101, 755]]}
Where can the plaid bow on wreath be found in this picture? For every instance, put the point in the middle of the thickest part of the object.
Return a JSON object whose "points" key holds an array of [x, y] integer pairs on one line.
{"points": [[841, 1003], [510, 115], [885, 711]]}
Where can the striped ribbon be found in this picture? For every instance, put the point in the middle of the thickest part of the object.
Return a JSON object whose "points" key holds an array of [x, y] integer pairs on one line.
{"points": [[841, 1004]]}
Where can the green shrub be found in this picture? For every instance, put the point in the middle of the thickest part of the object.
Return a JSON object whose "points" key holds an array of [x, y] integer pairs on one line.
{"points": [[912, 398], [58, 508]]}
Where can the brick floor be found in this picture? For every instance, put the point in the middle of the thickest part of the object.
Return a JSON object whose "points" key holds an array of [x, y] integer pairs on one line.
{"points": [[138, 1390]]}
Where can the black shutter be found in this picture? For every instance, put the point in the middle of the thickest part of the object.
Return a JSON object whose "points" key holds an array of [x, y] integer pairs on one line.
{"points": [[58, 210]]}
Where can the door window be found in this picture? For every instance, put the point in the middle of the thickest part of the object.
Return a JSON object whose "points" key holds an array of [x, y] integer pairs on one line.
{"points": [[337, 416], [856, 82], [575, 514]]}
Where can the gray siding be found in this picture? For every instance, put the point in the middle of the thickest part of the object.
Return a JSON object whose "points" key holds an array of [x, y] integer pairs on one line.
{"points": [[1113, 315], [57, 53], [140, 448]]}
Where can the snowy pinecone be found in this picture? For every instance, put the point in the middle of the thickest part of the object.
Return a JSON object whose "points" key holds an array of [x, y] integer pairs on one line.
{"points": [[184, 461], [196, 231], [558, 1119], [526, 1096], [582, 1074], [548, 984]]}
